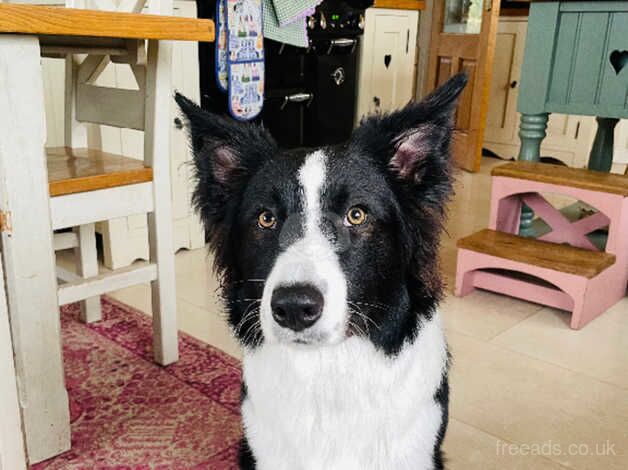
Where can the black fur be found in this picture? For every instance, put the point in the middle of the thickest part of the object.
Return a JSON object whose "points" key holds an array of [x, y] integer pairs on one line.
{"points": [[246, 460], [397, 166]]}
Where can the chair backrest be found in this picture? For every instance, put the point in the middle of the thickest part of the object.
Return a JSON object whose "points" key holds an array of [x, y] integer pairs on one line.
{"points": [[157, 7], [87, 102]]}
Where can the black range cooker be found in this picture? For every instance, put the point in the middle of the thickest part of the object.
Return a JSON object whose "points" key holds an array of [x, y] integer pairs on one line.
{"points": [[310, 93]]}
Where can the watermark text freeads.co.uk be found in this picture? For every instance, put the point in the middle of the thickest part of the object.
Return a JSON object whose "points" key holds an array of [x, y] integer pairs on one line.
{"points": [[554, 449]]}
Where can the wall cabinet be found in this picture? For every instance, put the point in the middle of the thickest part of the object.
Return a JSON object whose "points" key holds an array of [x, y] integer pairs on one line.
{"points": [[387, 60], [126, 239], [569, 137]]}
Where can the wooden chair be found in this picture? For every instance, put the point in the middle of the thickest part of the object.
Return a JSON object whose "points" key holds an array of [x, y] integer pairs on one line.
{"points": [[28, 214], [88, 186], [563, 268]]}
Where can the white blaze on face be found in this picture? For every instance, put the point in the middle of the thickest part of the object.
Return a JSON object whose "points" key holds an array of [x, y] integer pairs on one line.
{"points": [[309, 260]]}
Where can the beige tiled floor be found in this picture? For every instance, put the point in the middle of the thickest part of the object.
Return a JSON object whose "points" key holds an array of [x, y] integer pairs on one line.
{"points": [[527, 392]]}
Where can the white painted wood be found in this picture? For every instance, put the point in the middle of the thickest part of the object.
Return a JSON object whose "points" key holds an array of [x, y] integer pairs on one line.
{"points": [[91, 68], [66, 275], [390, 33], [27, 250], [502, 124], [65, 241], [157, 156], [75, 132], [620, 150], [132, 6], [12, 454], [111, 106], [71, 210], [76, 290], [86, 259]]}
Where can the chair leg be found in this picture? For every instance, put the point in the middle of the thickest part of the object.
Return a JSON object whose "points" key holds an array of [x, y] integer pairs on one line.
{"points": [[87, 266], [157, 155]]}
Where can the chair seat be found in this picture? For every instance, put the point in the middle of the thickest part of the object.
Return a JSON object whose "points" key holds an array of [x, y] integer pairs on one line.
{"points": [[79, 170], [557, 257], [565, 176]]}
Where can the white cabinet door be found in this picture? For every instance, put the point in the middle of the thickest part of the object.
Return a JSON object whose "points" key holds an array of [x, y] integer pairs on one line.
{"points": [[620, 151], [387, 60], [568, 138]]}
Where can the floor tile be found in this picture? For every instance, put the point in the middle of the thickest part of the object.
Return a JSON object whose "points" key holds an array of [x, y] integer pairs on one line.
{"points": [[484, 315], [530, 402], [468, 448], [600, 349]]}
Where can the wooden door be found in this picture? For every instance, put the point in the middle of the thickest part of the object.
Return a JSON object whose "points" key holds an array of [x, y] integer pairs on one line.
{"points": [[387, 55], [463, 40]]}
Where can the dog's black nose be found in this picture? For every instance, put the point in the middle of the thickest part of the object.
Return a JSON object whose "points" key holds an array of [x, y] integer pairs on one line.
{"points": [[297, 307]]}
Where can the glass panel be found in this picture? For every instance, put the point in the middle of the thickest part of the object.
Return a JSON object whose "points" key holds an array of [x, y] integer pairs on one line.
{"points": [[463, 16]]}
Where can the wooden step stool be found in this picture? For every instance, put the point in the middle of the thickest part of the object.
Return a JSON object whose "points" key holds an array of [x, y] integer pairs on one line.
{"points": [[563, 268]]}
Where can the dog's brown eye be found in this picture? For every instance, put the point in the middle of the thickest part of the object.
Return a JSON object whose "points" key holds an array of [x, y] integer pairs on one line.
{"points": [[356, 216], [266, 219]]}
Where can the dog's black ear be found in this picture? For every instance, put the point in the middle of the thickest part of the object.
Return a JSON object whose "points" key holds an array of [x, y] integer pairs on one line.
{"points": [[226, 154], [414, 141]]}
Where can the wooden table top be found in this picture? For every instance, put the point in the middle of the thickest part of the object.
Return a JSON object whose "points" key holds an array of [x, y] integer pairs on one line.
{"points": [[55, 21]]}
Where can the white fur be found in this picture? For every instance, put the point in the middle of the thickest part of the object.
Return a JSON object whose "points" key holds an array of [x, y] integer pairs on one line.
{"points": [[341, 404], [311, 260], [345, 406]]}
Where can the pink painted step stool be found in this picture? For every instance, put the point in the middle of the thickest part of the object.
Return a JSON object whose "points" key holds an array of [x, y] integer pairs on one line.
{"points": [[561, 269]]}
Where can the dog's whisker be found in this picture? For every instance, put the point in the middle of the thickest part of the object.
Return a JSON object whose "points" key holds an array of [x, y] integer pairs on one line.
{"points": [[380, 306], [247, 315], [358, 311]]}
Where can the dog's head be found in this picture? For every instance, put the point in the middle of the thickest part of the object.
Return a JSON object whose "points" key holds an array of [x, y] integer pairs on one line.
{"points": [[316, 246]]}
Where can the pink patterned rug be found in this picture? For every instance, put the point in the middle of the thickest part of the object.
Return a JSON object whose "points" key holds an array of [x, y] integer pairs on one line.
{"points": [[129, 414]]}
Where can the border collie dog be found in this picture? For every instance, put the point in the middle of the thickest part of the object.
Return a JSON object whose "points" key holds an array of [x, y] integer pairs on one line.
{"points": [[329, 269]]}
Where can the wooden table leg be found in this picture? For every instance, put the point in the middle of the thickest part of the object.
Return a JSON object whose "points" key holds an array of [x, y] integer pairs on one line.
{"points": [[601, 156], [27, 250], [531, 132]]}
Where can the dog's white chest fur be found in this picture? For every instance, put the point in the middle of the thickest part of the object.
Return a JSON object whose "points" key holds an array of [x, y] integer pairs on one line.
{"points": [[347, 406]]}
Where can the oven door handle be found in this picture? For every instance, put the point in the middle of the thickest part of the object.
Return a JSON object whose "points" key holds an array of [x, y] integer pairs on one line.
{"points": [[297, 98], [342, 42]]}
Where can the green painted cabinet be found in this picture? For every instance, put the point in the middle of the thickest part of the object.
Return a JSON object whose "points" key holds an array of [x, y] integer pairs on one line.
{"points": [[575, 62]]}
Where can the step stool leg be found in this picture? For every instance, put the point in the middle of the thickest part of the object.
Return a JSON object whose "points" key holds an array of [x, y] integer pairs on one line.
{"points": [[86, 258], [464, 275], [157, 156], [531, 132]]}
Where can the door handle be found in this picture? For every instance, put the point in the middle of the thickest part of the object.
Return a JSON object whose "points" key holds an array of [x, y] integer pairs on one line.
{"points": [[342, 42], [297, 98], [514, 84]]}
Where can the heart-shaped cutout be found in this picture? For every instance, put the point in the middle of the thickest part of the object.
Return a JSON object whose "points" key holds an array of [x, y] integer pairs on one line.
{"points": [[619, 59], [387, 59]]}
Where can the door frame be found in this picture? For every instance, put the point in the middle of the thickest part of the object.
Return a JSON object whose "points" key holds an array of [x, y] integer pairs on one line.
{"points": [[481, 86]]}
